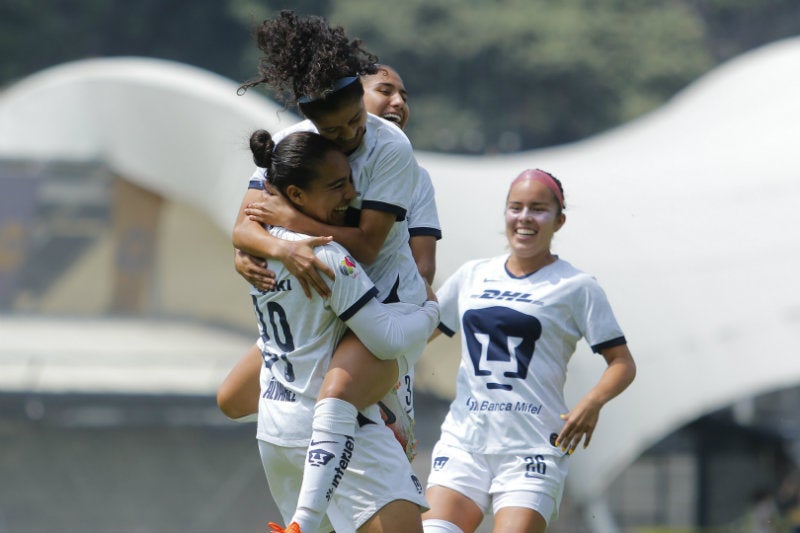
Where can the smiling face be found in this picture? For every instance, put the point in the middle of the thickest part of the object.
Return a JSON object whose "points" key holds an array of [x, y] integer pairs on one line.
{"points": [[329, 193], [386, 96], [532, 217], [345, 126]]}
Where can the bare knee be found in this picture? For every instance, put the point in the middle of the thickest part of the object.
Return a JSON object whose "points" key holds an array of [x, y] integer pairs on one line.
{"points": [[228, 402], [452, 508], [238, 394]]}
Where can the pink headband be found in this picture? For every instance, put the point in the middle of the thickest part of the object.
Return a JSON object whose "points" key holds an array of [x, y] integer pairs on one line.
{"points": [[544, 178]]}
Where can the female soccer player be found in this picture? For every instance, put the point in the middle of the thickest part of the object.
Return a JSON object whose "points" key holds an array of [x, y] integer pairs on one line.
{"points": [[506, 441], [385, 96], [297, 338], [317, 66]]}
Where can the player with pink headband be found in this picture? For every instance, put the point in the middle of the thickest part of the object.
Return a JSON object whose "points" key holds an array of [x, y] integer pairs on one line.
{"points": [[506, 441], [542, 177]]}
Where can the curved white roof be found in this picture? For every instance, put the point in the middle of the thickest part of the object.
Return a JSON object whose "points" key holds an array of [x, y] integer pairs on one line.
{"points": [[688, 216], [175, 129]]}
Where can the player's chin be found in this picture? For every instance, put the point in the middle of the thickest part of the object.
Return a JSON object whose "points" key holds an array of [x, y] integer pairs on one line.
{"points": [[337, 218], [351, 144], [524, 247]]}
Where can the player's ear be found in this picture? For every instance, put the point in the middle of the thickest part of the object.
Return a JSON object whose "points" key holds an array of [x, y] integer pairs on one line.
{"points": [[295, 195], [562, 218]]}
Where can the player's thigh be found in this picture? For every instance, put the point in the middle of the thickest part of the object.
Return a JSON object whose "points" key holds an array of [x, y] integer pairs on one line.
{"points": [[283, 467], [458, 486], [357, 376], [452, 506], [519, 520], [378, 476], [399, 516], [284, 475], [527, 487]]}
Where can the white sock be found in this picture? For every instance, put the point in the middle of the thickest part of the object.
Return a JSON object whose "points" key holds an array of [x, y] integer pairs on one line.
{"points": [[329, 453], [434, 525]]}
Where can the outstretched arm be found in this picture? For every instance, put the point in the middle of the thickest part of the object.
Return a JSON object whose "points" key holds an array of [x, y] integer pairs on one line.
{"points": [[391, 330], [581, 420]]}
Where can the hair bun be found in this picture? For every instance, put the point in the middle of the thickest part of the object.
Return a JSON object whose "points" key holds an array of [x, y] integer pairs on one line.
{"points": [[262, 145]]}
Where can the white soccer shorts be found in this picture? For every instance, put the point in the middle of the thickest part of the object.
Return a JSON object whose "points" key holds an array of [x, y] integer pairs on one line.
{"points": [[535, 480], [378, 474]]}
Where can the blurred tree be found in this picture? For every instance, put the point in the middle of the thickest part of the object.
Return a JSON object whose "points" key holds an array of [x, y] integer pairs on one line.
{"points": [[515, 74], [733, 26], [485, 76], [35, 34]]}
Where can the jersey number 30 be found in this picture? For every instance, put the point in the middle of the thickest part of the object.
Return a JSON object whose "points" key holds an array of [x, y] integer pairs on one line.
{"points": [[275, 323]]}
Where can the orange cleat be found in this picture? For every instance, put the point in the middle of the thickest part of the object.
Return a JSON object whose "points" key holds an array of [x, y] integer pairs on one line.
{"points": [[291, 528]]}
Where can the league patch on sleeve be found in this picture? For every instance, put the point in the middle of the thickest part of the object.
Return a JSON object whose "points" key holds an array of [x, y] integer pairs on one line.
{"points": [[348, 267]]}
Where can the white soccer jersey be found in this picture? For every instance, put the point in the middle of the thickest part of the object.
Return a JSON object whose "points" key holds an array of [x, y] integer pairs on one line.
{"points": [[298, 336], [423, 217], [517, 334], [385, 176]]}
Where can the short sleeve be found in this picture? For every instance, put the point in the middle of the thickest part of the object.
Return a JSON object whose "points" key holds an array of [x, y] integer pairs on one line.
{"points": [[351, 288], [423, 217], [596, 319], [447, 295], [391, 177]]}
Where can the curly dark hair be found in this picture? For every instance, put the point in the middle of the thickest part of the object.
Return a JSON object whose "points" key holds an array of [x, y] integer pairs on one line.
{"points": [[304, 56]]}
